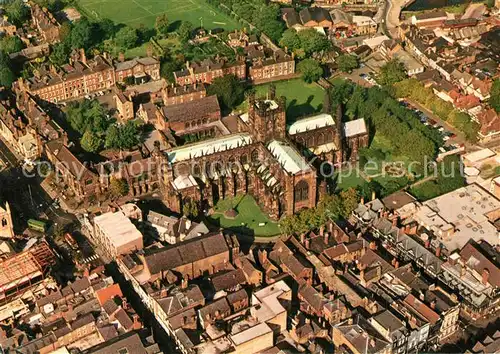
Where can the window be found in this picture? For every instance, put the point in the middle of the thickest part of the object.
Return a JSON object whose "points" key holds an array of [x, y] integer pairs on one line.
{"points": [[301, 191], [255, 156]]}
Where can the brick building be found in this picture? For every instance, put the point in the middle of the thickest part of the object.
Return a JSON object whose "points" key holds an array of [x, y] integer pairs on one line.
{"points": [[45, 22], [209, 69], [140, 69], [74, 80], [173, 95], [279, 65]]}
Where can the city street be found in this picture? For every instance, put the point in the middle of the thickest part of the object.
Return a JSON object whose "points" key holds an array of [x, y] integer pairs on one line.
{"points": [[25, 196]]}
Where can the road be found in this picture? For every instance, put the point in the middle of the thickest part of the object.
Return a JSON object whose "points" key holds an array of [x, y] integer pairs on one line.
{"points": [[392, 12], [24, 194]]}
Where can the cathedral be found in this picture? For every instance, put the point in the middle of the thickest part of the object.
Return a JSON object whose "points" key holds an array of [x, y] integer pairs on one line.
{"points": [[261, 155]]}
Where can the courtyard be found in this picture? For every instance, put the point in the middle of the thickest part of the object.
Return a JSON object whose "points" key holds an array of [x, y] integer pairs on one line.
{"points": [[302, 99], [249, 216]]}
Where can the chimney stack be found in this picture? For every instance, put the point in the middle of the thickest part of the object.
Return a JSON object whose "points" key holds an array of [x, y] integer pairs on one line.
{"points": [[326, 238], [322, 230], [438, 251], [433, 304], [485, 276], [302, 238], [306, 245], [83, 57]]}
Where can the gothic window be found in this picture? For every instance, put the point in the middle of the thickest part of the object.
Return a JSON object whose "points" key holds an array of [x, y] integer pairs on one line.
{"points": [[204, 121], [255, 156], [196, 170], [244, 159], [301, 191], [310, 141], [321, 139], [4, 222], [188, 125]]}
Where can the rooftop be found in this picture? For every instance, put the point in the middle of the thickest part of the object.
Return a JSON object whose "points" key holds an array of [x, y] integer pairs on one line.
{"points": [[355, 127], [208, 147], [464, 210], [311, 123], [118, 228], [288, 157]]}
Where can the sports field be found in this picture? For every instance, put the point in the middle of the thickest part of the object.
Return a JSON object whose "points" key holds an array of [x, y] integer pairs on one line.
{"points": [[144, 12]]}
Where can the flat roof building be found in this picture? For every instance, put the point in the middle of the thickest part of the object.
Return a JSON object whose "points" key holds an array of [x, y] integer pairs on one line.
{"points": [[116, 233]]}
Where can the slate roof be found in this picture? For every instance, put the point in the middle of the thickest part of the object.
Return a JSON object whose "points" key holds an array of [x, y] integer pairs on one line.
{"points": [[185, 253], [192, 110]]}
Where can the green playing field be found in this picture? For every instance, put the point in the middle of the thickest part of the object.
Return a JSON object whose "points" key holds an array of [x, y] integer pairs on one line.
{"points": [[144, 12]]}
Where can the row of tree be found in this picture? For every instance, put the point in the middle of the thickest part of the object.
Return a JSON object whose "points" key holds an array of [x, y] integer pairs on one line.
{"points": [[89, 119], [334, 207], [415, 90], [388, 118], [263, 15], [304, 43]]}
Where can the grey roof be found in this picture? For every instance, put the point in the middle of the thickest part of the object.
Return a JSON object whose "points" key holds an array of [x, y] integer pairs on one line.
{"points": [[129, 64]]}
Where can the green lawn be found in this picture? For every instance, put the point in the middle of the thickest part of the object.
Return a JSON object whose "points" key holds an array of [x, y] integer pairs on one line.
{"points": [[301, 99], [249, 216], [144, 12], [141, 51], [348, 179]]}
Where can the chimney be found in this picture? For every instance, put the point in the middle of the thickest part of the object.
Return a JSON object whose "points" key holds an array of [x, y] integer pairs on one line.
{"points": [[83, 57], [485, 276], [373, 195], [438, 251], [373, 245], [433, 304], [396, 264], [184, 283], [394, 221], [326, 238], [306, 245], [121, 57], [330, 227], [362, 201], [322, 230], [427, 243]]}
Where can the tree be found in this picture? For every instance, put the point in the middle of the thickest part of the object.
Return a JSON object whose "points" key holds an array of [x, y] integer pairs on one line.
{"points": [[118, 187], [185, 31], [229, 90], [311, 41], [59, 55], [266, 18], [126, 38], [90, 141], [190, 209], [391, 73], [124, 136], [310, 69], [167, 69], [112, 137], [17, 12], [81, 35], [7, 76], [87, 115], [350, 200], [162, 24], [11, 44], [290, 39], [495, 95], [347, 63]]}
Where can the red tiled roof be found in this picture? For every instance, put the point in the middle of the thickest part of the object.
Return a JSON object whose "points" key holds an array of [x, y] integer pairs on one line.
{"points": [[422, 309], [490, 121], [108, 293], [480, 263]]}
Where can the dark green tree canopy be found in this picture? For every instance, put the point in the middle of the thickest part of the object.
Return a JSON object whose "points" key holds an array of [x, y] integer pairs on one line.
{"points": [[229, 90], [310, 69]]}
